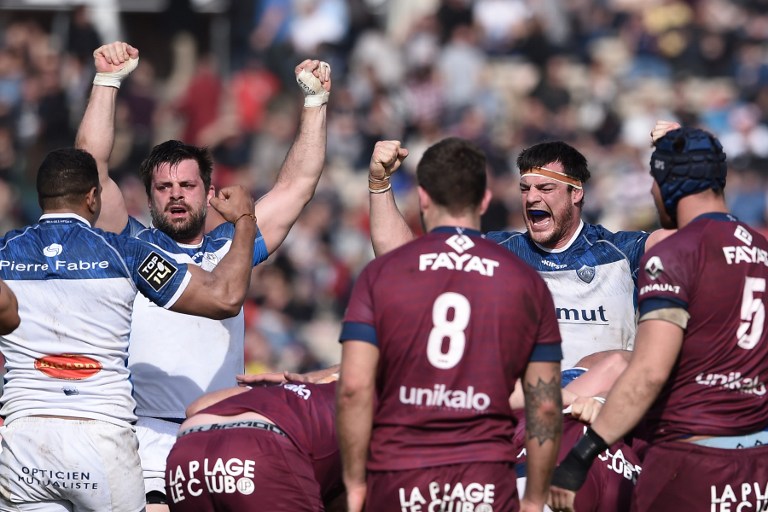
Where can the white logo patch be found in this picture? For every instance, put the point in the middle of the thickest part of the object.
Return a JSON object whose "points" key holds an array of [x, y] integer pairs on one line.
{"points": [[52, 250], [460, 243], [654, 268], [742, 234]]}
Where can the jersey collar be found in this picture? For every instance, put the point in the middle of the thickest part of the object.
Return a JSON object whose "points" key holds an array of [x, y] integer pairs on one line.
{"points": [[63, 218], [718, 216], [456, 229]]}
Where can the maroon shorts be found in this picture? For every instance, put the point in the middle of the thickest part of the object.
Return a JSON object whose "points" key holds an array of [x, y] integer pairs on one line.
{"points": [[680, 476], [238, 469], [476, 487]]}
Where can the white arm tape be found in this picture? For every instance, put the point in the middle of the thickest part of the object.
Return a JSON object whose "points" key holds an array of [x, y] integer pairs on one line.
{"points": [[113, 79], [315, 95], [315, 100]]}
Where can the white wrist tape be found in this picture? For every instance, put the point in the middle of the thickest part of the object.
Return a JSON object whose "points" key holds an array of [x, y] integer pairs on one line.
{"points": [[113, 78], [314, 94]]}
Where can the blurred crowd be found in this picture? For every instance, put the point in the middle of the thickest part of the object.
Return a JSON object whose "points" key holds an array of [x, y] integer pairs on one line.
{"points": [[502, 73]]}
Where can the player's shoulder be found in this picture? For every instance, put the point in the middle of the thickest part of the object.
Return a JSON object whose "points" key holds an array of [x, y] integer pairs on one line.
{"points": [[599, 233], [508, 239]]}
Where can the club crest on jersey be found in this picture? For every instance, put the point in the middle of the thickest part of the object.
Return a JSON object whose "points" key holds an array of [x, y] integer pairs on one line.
{"points": [[157, 271], [52, 250], [460, 243], [210, 260], [654, 268], [586, 273]]}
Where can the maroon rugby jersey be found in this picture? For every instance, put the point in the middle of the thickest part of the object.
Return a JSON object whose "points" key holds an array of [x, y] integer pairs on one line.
{"points": [[611, 479], [306, 413], [715, 267], [456, 318]]}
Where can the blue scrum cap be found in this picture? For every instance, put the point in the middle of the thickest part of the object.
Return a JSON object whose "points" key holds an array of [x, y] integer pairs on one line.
{"points": [[687, 161]]}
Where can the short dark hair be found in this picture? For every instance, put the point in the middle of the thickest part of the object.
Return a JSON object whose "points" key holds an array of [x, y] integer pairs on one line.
{"points": [[453, 173], [539, 155], [64, 176], [174, 152]]}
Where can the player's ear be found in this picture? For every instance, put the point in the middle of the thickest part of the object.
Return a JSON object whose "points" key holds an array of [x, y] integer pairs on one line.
{"points": [[424, 200], [485, 202], [577, 195], [93, 200]]}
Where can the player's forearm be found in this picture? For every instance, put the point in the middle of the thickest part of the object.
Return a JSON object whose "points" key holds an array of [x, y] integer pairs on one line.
{"points": [[657, 347], [233, 273], [96, 133], [297, 180], [629, 400], [305, 159], [544, 425], [540, 463], [354, 422], [389, 230]]}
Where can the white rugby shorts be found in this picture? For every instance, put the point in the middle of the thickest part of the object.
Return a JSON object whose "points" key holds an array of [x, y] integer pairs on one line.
{"points": [[83, 465], [156, 438]]}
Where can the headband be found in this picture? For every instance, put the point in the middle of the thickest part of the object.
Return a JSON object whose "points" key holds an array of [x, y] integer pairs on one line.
{"points": [[555, 175]]}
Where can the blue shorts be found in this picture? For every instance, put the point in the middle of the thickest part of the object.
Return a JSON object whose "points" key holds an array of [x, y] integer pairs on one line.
{"points": [[571, 374]]}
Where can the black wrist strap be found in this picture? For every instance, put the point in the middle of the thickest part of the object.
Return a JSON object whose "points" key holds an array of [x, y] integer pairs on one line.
{"points": [[572, 472]]}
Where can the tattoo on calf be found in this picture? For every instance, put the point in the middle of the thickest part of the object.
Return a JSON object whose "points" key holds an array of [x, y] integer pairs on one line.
{"points": [[542, 418]]}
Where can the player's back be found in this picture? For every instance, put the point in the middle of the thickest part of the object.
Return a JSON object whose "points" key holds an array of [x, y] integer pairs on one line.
{"points": [[719, 268], [75, 294], [306, 413], [457, 318]]}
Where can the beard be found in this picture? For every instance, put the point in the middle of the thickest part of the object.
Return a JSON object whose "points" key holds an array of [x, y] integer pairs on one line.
{"points": [[185, 229], [559, 230]]}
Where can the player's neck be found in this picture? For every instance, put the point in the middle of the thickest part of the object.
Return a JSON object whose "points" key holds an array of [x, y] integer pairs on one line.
{"points": [[189, 240], [452, 221], [694, 205]]}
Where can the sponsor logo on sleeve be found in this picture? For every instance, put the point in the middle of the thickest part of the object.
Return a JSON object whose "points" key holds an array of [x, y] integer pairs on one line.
{"points": [[653, 267], [68, 366], [157, 271]]}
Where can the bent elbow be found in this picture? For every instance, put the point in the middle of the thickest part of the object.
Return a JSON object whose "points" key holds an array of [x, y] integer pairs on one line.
{"points": [[225, 311]]}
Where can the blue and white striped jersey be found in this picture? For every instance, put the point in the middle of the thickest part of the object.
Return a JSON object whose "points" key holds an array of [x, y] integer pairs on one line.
{"points": [[76, 287], [175, 358], [593, 281]]}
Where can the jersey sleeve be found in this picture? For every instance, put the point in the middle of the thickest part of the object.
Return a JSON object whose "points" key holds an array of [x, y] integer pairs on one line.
{"points": [[156, 274], [227, 230], [548, 341], [133, 227], [632, 244], [359, 322], [666, 275]]}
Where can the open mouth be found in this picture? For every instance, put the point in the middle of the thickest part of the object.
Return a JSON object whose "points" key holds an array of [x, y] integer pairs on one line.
{"points": [[539, 218], [177, 210]]}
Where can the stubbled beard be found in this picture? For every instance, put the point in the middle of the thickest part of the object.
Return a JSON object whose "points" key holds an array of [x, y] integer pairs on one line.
{"points": [[560, 229], [189, 228]]}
